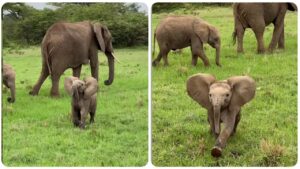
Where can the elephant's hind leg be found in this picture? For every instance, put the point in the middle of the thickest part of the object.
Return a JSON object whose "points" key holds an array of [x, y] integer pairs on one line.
{"points": [[157, 60], [43, 76], [55, 84]]}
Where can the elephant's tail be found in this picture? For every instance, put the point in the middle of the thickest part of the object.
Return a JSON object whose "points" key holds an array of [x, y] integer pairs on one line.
{"points": [[46, 57], [153, 51]]}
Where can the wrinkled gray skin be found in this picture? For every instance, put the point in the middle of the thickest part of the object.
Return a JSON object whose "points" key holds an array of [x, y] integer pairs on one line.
{"points": [[223, 101], [8, 79], [257, 16], [84, 98], [177, 32], [69, 45]]}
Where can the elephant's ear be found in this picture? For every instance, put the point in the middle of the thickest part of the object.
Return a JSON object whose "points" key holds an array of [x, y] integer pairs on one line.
{"points": [[99, 34], [68, 84], [198, 88], [201, 29], [91, 85], [292, 7], [243, 90]]}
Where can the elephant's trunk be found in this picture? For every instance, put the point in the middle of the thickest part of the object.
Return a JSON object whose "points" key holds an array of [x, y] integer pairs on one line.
{"points": [[111, 66], [218, 55], [217, 114]]}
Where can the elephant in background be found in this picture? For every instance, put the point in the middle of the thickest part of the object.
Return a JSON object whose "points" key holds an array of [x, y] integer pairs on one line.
{"points": [[223, 101], [69, 45], [177, 32], [84, 98], [9, 78], [257, 16]]}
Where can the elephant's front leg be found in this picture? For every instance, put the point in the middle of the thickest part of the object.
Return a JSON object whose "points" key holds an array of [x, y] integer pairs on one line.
{"points": [[229, 122], [203, 56]]}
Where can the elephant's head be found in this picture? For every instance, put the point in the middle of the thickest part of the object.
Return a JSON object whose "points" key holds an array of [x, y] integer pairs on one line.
{"points": [[104, 39], [78, 88], [208, 34], [214, 95]]}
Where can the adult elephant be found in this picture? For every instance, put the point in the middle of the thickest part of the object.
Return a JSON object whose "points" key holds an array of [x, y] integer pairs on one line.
{"points": [[177, 32], [257, 16], [69, 45]]}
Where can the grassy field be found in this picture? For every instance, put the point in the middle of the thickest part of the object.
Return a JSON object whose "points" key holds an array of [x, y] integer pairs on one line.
{"points": [[267, 133], [37, 131]]}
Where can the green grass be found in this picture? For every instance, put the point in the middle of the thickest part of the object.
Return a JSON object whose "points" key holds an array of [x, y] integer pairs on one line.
{"points": [[267, 133], [37, 131]]}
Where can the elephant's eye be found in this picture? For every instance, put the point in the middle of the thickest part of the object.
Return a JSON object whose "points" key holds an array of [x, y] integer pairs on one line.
{"points": [[227, 95], [209, 95]]}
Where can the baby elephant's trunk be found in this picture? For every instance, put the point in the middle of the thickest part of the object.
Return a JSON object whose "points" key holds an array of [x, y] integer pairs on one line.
{"points": [[217, 110]]}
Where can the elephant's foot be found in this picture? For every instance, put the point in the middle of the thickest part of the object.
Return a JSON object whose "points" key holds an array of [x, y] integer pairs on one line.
{"points": [[10, 100], [92, 120], [33, 93], [54, 94], [82, 125], [218, 64], [260, 51], [240, 51], [154, 63], [216, 151]]}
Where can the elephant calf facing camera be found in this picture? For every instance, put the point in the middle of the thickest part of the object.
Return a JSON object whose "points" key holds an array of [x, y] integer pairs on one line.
{"points": [[223, 101], [84, 98]]}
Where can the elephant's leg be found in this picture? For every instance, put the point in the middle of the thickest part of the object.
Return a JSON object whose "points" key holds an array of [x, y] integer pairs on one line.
{"points": [[76, 71], [83, 114], [281, 40], [260, 40], [43, 76], [240, 37], [278, 29], [11, 86], [157, 60], [55, 84], [165, 57], [258, 27], [237, 120], [203, 56], [229, 123], [75, 116], [94, 63], [92, 114], [194, 59], [93, 111]]}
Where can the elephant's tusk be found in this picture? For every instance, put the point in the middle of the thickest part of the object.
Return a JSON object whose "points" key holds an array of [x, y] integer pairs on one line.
{"points": [[115, 58]]}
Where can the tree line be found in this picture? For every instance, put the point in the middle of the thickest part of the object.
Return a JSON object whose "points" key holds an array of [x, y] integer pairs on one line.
{"points": [[24, 25]]}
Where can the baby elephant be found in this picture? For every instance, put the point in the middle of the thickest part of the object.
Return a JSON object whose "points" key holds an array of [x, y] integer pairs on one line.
{"points": [[84, 98], [177, 32], [9, 76], [223, 101]]}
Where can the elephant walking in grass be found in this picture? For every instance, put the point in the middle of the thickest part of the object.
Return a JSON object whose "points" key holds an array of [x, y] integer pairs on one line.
{"points": [[69, 45], [223, 101], [257, 16], [177, 32]]}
